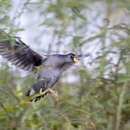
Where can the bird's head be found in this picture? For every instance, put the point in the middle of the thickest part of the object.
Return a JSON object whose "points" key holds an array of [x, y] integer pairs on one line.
{"points": [[72, 58]]}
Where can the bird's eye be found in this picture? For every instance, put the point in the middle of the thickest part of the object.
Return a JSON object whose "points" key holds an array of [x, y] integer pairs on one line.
{"points": [[72, 57]]}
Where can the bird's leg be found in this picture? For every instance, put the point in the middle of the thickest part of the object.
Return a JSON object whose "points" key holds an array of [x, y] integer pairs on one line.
{"points": [[52, 92], [54, 95], [43, 92]]}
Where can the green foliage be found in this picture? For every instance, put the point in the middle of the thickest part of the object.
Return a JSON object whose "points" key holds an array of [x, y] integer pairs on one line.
{"points": [[100, 99]]}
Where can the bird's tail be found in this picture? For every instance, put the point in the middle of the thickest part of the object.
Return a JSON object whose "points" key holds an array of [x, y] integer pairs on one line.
{"points": [[33, 99], [35, 91]]}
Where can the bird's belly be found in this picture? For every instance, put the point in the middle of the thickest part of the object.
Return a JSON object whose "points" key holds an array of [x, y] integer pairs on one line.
{"points": [[50, 74]]}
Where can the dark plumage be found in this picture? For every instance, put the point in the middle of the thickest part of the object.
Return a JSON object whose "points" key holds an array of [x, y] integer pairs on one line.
{"points": [[51, 66]]}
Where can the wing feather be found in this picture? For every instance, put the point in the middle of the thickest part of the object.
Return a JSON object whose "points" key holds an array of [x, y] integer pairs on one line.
{"points": [[19, 53]]}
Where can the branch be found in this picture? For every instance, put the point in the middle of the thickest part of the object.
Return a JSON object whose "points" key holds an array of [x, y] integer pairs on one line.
{"points": [[119, 107]]}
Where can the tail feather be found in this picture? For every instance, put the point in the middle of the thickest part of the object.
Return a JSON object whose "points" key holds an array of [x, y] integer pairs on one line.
{"points": [[29, 93], [36, 98]]}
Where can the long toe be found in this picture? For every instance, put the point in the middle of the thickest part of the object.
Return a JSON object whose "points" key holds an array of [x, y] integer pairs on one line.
{"points": [[54, 95], [43, 92]]}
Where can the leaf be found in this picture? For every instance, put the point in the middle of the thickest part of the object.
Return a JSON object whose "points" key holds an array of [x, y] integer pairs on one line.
{"points": [[124, 79], [76, 11], [91, 38], [18, 30], [4, 20]]}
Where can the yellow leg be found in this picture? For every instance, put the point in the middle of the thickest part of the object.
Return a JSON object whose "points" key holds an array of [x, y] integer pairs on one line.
{"points": [[52, 92], [43, 92]]}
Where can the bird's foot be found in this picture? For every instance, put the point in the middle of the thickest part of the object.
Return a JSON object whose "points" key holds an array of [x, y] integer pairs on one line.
{"points": [[54, 95], [43, 92], [52, 92]]}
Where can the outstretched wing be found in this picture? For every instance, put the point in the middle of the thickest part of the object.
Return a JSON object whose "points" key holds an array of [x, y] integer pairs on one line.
{"points": [[19, 53]]}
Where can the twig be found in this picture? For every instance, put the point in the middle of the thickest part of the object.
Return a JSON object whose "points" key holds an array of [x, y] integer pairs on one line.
{"points": [[119, 108], [2, 106], [117, 68], [68, 121], [93, 125]]}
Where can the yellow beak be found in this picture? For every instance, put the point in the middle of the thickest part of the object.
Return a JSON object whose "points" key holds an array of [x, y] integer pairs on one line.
{"points": [[75, 59]]}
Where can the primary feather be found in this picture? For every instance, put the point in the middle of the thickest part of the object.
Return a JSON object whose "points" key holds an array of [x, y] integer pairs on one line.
{"points": [[20, 54]]}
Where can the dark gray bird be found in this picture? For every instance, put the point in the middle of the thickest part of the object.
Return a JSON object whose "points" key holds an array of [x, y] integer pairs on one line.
{"points": [[51, 66]]}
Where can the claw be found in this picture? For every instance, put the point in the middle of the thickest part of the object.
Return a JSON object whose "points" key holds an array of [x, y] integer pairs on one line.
{"points": [[43, 92], [54, 95], [52, 92]]}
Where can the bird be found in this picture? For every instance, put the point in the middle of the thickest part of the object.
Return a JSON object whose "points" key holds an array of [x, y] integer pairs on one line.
{"points": [[51, 66]]}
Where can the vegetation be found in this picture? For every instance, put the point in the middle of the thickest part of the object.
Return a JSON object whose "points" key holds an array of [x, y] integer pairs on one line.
{"points": [[99, 98]]}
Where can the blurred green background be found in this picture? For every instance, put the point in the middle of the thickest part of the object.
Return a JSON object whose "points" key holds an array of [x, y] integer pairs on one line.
{"points": [[93, 95]]}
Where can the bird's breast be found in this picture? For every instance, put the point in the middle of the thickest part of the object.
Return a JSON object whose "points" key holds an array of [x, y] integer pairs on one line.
{"points": [[52, 74]]}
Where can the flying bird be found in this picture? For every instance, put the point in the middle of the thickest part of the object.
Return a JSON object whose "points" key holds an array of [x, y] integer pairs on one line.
{"points": [[51, 66]]}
